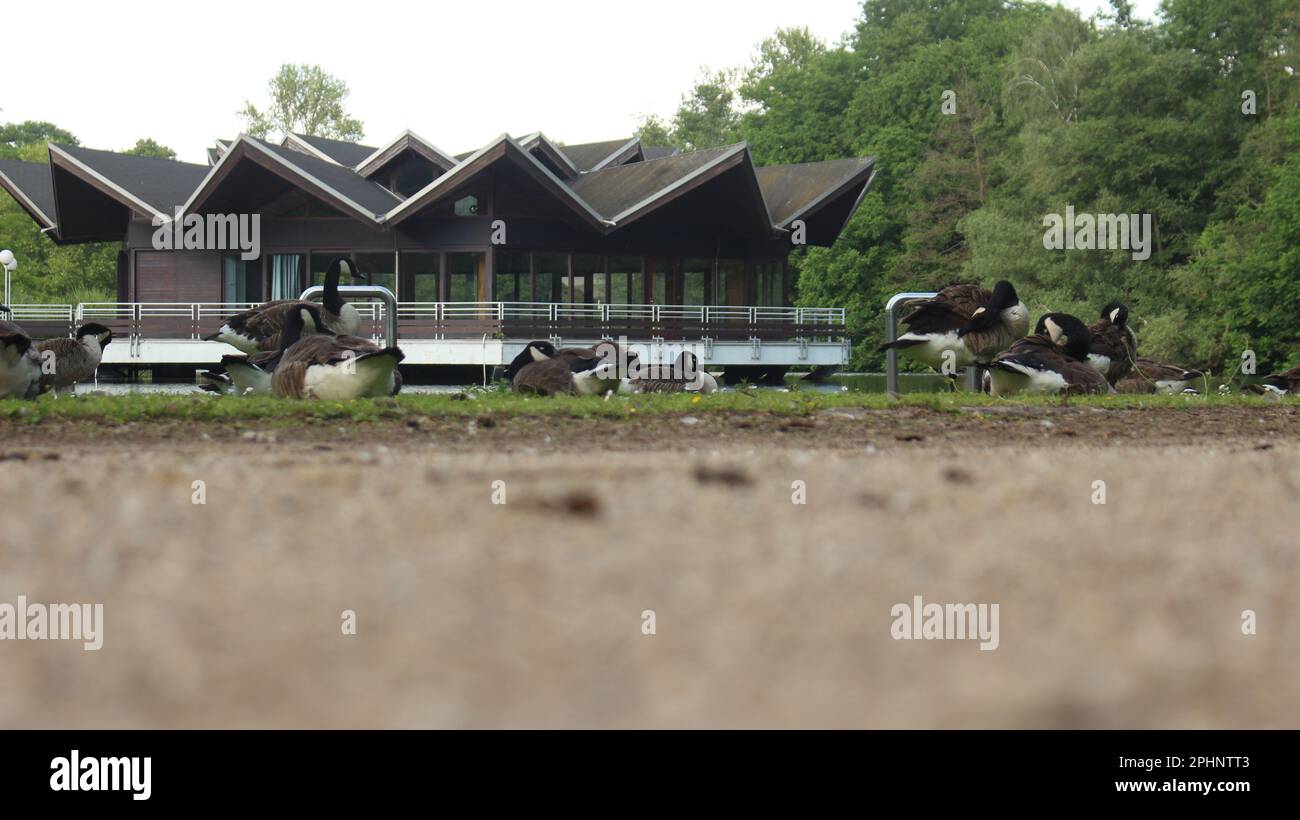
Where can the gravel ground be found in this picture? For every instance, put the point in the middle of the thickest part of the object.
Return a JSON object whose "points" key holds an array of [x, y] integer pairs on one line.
{"points": [[767, 613]]}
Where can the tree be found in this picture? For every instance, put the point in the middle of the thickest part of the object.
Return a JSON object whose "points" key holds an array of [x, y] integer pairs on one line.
{"points": [[148, 148], [304, 100], [706, 117], [15, 135]]}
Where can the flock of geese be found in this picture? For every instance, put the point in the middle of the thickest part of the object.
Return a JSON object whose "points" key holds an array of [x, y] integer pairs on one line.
{"points": [[299, 349], [966, 325]]}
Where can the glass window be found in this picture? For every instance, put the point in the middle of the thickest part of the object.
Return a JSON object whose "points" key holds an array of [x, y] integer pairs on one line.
{"points": [[241, 280], [462, 277], [510, 273], [697, 281], [588, 280], [420, 276], [626, 280], [769, 283], [731, 283], [660, 273], [379, 268], [551, 268], [465, 206], [287, 275]]}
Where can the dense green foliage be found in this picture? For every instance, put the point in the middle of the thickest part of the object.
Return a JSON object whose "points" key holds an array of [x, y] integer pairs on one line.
{"points": [[1113, 115]]}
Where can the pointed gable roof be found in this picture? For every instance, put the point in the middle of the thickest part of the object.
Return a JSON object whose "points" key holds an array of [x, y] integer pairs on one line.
{"points": [[31, 185], [408, 140], [340, 151]]}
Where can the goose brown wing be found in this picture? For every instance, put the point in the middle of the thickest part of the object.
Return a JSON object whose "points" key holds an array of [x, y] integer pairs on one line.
{"points": [[1082, 378], [264, 322], [1034, 351], [546, 378], [326, 349], [1115, 344]]}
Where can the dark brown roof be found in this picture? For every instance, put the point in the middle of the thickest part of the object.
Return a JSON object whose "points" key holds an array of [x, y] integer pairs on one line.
{"points": [[611, 191], [160, 183], [32, 186], [791, 190], [371, 196], [587, 155], [657, 151], [345, 153]]}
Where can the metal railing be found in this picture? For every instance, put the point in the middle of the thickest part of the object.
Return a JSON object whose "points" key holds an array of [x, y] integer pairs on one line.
{"points": [[442, 320]]}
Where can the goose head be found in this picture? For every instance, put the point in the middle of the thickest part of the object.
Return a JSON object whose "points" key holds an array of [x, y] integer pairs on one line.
{"points": [[1066, 332], [1116, 313], [1004, 307], [535, 351], [303, 320], [98, 332]]}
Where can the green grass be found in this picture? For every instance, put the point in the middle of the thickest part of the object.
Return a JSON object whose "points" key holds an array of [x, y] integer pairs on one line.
{"points": [[139, 408]]}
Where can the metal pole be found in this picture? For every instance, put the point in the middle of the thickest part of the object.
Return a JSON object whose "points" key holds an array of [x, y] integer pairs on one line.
{"points": [[379, 292], [891, 333]]}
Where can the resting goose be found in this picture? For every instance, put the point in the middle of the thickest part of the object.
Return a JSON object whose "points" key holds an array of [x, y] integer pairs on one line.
{"points": [[334, 368], [685, 376], [1114, 346], [251, 375], [73, 360], [258, 329], [20, 364], [1150, 376], [1052, 360], [971, 322], [1285, 382], [569, 370]]}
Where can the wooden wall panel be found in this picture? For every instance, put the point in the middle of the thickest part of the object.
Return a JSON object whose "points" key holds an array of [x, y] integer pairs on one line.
{"points": [[168, 276]]}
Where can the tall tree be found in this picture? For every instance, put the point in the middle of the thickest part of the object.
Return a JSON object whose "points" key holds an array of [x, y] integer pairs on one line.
{"points": [[304, 100]]}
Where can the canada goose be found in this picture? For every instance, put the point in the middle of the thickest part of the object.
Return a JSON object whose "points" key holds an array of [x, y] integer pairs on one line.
{"points": [[333, 368], [1052, 360], [970, 322], [1114, 346], [533, 352], [251, 375], [20, 364], [685, 376], [72, 360], [1285, 382], [569, 370], [259, 328], [1150, 376]]}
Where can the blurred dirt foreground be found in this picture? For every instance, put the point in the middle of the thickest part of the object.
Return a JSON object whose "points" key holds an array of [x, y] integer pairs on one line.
{"points": [[766, 613]]}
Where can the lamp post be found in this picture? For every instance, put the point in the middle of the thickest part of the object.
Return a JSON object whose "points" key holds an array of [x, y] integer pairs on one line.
{"points": [[10, 264]]}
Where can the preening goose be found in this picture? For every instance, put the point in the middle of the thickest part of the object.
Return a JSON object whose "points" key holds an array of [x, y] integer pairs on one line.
{"points": [[1114, 345], [1052, 360], [258, 329], [251, 375], [1150, 376], [684, 376], [972, 323], [20, 364], [334, 368], [68, 361]]}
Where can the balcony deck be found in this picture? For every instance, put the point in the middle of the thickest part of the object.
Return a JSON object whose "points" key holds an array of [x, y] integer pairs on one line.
{"points": [[477, 333]]}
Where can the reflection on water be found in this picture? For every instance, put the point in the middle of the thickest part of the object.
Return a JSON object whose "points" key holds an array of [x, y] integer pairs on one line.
{"points": [[840, 382]]}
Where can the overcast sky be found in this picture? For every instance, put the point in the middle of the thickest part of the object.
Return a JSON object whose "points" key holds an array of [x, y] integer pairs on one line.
{"points": [[457, 74]]}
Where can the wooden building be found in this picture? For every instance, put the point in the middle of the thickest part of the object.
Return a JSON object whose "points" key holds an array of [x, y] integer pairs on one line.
{"points": [[519, 239]]}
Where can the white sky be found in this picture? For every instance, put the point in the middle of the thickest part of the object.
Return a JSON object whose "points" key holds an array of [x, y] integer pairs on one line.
{"points": [[458, 74]]}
